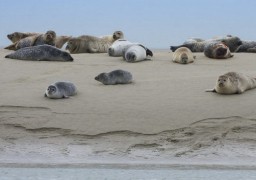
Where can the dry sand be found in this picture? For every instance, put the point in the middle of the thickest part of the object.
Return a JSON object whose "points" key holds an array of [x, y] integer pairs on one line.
{"points": [[164, 117]]}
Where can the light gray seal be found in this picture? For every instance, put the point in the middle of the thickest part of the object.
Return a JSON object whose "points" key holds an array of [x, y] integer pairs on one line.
{"points": [[232, 42], [87, 44], [60, 90], [115, 36], [136, 53], [233, 83], [217, 51], [35, 40], [118, 47], [115, 77], [40, 53], [183, 55]]}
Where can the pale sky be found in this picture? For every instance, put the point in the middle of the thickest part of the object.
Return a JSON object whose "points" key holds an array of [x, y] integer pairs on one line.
{"points": [[154, 23]]}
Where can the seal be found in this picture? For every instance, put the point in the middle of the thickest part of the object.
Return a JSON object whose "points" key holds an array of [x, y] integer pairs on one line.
{"points": [[217, 51], [246, 46], [183, 55], [232, 42], [115, 77], [233, 83], [118, 47], [87, 44], [136, 53], [40, 53], [61, 40], [60, 90], [16, 36], [35, 40], [112, 38]]}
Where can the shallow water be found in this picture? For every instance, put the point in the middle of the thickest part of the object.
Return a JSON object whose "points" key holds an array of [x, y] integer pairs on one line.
{"points": [[123, 174]]}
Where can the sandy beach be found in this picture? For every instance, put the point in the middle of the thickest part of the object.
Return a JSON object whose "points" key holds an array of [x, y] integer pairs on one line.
{"points": [[163, 117]]}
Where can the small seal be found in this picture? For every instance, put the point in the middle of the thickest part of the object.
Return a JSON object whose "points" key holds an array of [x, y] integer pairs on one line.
{"points": [[183, 55], [233, 83], [115, 77], [87, 44], [60, 90], [217, 51], [115, 36], [35, 40], [40, 53], [118, 47], [136, 53]]}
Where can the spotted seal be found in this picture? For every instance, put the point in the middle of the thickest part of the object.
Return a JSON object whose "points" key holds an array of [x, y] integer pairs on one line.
{"points": [[183, 55], [87, 44], [35, 40], [115, 77], [232, 42], [60, 90], [217, 51], [246, 46], [40, 53], [136, 53], [233, 83]]}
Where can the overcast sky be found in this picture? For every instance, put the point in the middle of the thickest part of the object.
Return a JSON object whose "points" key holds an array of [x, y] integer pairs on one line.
{"points": [[154, 23]]}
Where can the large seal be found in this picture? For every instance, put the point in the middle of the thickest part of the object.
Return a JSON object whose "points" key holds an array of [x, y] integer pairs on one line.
{"points": [[118, 47], [246, 46], [60, 90], [232, 42], [47, 38], [183, 55], [115, 77], [136, 53], [217, 51], [115, 36], [40, 53], [16, 36], [87, 44], [233, 83]]}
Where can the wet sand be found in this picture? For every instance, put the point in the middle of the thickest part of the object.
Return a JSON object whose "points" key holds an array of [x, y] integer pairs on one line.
{"points": [[164, 117]]}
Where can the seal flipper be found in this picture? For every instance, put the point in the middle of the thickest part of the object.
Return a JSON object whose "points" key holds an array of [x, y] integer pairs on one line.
{"points": [[45, 95], [12, 47], [210, 90]]}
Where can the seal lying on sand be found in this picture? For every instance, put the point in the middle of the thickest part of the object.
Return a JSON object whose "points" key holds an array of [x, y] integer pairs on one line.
{"points": [[60, 90], [40, 53], [233, 83], [87, 44], [232, 42], [47, 38], [136, 53], [115, 77], [217, 51], [246, 46], [118, 47], [115, 36], [183, 55], [16, 36]]}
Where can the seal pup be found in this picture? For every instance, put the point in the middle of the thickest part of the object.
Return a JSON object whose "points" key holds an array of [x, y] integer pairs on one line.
{"points": [[232, 42], [217, 51], [16, 36], [115, 36], [118, 47], [60, 90], [136, 53], [87, 44], [47, 38], [40, 53], [115, 77], [183, 55], [233, 83]]}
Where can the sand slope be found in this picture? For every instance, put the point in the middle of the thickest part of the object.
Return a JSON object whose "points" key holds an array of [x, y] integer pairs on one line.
{"points": [[164, 115]]}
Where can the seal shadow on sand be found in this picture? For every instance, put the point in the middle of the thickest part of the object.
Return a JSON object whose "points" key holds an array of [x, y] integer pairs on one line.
{"points": [[224, 136]]}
